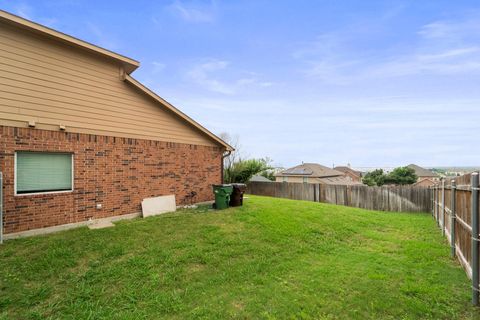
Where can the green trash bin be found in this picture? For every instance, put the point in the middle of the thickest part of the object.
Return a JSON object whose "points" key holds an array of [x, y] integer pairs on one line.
{"points": [[222, 195]]}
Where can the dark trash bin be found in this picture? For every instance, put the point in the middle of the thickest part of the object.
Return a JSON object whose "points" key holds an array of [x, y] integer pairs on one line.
{"points": [[236, 199], [222, 195]]}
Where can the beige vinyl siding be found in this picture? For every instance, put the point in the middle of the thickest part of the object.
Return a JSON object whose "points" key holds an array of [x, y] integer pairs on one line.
{"points": [[53, 84]]}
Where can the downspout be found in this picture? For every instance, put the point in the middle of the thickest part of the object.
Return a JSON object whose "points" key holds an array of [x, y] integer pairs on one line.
{"points": [[229, 152]]}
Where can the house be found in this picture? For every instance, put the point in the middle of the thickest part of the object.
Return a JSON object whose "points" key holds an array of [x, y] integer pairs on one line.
{"points": [[425, 183], [355, 175], [259, 178], [314, 173], [426, 178], [82, 139]]}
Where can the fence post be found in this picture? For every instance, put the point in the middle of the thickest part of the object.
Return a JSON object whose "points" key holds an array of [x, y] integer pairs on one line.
{"points": [[443, 207], [475, 270], [436, 202], [347, 201], [388, 199], [319, 192], [438, 205], [453, 217], [432, 201], [336, 201]]}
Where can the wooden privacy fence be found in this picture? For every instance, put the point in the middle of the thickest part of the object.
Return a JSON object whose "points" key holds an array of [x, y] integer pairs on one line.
{"points": [[455, 208], [397, 198]]}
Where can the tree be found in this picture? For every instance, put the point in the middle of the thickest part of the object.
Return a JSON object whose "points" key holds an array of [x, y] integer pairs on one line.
{"points": [[269, 173], [242, 171], [374, 178], [401, 176], [232, 158], [237, 169], [398, 176]]}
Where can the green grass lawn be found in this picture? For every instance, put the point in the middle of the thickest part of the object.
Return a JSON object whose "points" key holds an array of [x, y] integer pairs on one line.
{"points": [[270, 259]]}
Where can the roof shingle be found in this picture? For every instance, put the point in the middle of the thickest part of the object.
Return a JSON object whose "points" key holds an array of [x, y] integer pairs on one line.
{"points": [[313, 170], [422, 172]]}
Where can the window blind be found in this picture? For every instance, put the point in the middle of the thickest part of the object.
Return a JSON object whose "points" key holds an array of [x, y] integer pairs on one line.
{"points": [[43, 172]]}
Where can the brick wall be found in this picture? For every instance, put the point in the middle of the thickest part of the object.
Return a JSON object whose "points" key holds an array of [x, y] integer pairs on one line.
{"points": [[116, 172]]}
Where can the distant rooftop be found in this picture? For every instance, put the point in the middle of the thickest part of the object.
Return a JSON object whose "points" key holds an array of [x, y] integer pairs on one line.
{"points": [[422, 172], [339, 180], [259, 178], [313, 170], [346, 169]]}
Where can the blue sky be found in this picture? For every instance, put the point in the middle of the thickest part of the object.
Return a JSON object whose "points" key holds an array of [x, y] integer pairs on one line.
{"points": [[370, 83]]}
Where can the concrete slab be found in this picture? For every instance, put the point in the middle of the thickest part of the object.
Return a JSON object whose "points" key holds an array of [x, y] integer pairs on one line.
{"points": [[101, 224], [158, 205], [68, 226]]}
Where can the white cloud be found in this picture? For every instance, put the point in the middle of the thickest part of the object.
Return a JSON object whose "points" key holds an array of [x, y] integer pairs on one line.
{"points": [[194, 13], [443, 48], [253, 82], [158, 67], [328, 58], [24, 11], [435, 30], [101, 38], [201, 74], [449, 62], [332, 71], [446, 48], [449, 54], [215, 75], [451, 30]]}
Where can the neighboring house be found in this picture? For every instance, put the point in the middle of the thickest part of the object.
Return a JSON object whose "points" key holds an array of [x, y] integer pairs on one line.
{"points": [[259, 178], [356, 176], [81, 139], [425, 183], [314, 173], [426, 177]]}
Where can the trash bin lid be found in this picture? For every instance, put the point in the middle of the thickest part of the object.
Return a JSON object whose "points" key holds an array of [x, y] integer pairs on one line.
{"points": [[239, 186], [223, 187]]}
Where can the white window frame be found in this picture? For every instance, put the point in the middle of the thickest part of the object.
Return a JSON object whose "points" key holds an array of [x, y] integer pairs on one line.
{"points": [[44, 192]]}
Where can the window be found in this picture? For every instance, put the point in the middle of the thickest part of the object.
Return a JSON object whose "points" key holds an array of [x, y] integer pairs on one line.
{"points": [[37, 172], [285, 179], [305, 179]]}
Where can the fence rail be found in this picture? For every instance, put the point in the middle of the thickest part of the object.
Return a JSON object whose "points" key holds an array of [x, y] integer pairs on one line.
{"points": [[455, 206], [398, 198]]}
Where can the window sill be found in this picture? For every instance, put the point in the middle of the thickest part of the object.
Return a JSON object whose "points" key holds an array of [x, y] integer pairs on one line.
{"points": [[42, 193]]}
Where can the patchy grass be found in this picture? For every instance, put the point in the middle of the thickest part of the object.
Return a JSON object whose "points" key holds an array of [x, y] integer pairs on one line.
{"points": [[272, 258]]}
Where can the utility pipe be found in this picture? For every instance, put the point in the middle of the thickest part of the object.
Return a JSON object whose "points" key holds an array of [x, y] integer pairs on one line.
{"points": [[228, 152]]}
